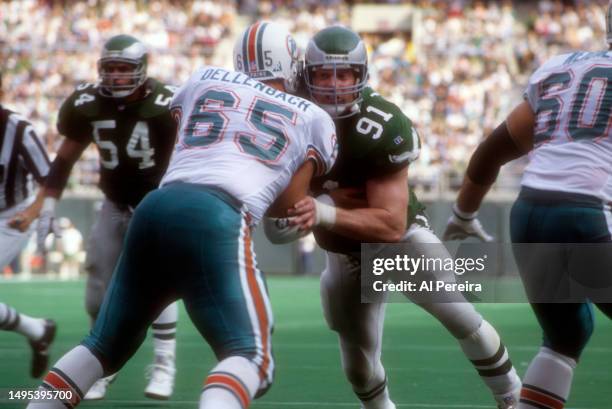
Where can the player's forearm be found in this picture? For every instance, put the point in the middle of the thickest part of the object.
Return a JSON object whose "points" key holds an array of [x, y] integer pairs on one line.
{"points": [[37, 205], [52, 192], [294, 192], [67, 155], [369, 224], [496, 150], [471, 195], [32, 211], [58, 177]]}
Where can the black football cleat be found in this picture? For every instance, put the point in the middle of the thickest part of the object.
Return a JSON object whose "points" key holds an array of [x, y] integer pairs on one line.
{"points": [[40, 350]]}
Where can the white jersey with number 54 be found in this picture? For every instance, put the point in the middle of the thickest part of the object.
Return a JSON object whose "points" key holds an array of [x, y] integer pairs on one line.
{"points": [[245, 137], [571, 96]]}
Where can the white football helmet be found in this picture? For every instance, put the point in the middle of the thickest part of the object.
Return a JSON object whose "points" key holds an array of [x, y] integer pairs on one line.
{"points": [[266, 51]]}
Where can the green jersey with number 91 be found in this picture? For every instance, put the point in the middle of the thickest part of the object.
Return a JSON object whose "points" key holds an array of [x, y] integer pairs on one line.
{"points": [[134, 139], [378, 140]]}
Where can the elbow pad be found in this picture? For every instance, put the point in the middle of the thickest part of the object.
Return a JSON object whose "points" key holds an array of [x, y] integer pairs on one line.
{"points": [[279, 231], [495, 151]]}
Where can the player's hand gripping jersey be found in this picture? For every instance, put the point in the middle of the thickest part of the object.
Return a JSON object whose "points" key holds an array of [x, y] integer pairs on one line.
{"points": [[135, 139], [251, 150], [378, 140], [571, 96]]}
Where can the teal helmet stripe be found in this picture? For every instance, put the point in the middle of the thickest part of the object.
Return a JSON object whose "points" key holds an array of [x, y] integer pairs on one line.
{"points": [[260, 33], [266, 51], [251, 44]]}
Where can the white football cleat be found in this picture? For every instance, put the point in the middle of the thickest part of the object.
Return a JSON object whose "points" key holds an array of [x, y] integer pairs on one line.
{"points": [[161, 375], [98, 389]]}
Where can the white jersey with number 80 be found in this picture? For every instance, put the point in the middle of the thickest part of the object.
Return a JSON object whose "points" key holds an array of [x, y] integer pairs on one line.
{"points": [[571, 95]]}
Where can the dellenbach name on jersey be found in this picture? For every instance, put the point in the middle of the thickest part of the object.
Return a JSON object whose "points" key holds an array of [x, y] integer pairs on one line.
{"points": [[238, 78]]}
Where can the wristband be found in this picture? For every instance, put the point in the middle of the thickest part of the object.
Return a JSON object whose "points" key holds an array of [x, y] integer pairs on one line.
{"points": [[465, 216], [48, 205], [326, 211]]}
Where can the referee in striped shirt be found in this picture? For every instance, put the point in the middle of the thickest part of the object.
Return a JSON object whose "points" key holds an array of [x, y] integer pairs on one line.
{"points": [[22, 158]]}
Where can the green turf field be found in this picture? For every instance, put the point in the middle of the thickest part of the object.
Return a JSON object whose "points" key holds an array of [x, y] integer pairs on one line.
{"points": [[425, 367]]}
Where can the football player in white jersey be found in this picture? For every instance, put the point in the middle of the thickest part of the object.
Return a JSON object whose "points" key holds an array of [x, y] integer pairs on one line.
{"points": [[564, 125], [239, 143]]}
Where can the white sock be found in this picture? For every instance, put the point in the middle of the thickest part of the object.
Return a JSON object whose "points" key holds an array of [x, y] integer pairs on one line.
{"points": [[75, 372], [33, 328], [230, 385], [490, 358], [11, 320], [548, 380], [164, 332]]}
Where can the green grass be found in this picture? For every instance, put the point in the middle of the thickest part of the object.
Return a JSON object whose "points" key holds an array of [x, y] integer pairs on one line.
{"points": [[424, 365]]}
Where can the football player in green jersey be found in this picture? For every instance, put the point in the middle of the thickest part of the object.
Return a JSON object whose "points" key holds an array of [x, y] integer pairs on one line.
{"points": [[366, 198], [127, 116]]}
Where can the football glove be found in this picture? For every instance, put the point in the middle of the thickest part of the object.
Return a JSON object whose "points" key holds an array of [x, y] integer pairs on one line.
{"points": [[279, 231], [46, 224], [461, 225]]}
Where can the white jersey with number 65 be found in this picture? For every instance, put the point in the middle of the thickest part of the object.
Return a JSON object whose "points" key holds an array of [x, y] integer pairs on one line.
{"points": [[245, 137]]}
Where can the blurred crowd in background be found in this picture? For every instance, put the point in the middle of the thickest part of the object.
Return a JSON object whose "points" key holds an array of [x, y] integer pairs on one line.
{"points": [[456, 72]]}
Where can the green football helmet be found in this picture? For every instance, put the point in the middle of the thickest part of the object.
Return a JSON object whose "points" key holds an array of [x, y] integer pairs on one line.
{"points": [[127, 50], [337, 48]]}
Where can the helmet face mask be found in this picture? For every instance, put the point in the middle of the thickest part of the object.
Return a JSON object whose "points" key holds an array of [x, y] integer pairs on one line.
{"points": [[338, 99], [122, 66], [266, 51], [336, 49]]}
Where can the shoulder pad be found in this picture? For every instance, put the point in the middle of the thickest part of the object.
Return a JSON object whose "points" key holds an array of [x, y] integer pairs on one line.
{"points": [[158, 100], [384, 120], [158, 87], [84, 99], [392, 138], [551, 64]]}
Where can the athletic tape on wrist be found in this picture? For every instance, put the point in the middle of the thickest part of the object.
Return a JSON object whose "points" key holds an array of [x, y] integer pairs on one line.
{"points": [[48, 205], [326, 211]]}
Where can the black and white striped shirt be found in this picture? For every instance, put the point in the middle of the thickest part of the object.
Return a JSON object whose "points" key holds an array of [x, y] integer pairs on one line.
{"points": [[21, 155]]}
